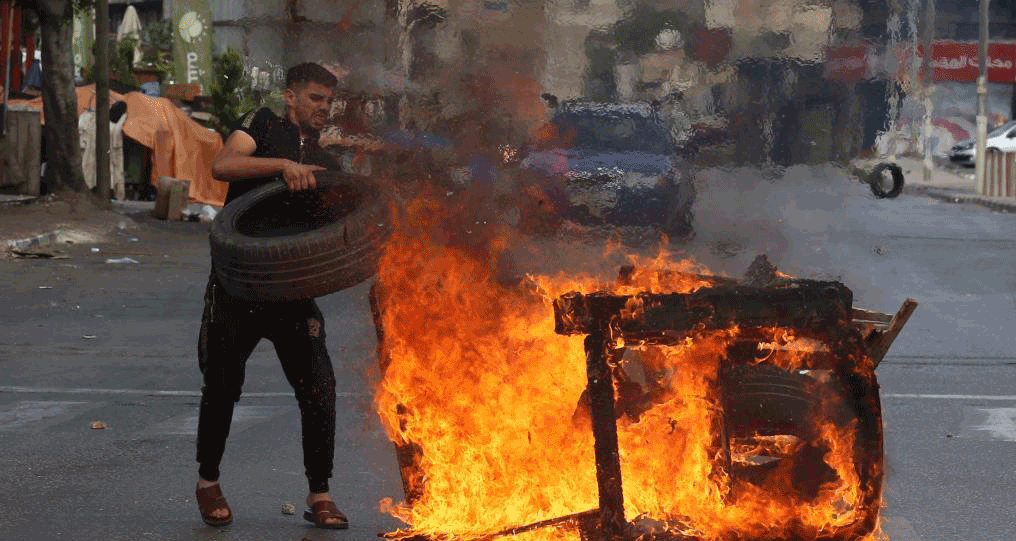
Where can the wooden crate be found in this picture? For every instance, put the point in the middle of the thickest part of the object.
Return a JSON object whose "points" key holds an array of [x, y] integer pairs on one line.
{"points": [[21, 150]]}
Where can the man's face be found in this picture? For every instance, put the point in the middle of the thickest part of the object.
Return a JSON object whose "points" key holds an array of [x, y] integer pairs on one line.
{"points": [[310, 104]]}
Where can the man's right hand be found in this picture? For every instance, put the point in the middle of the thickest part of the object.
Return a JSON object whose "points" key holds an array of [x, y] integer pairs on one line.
{"points": [[300, 177]]}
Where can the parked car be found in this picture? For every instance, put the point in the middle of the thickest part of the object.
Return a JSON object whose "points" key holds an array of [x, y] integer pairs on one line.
{"points": [[618, 165], [1002, 138]]}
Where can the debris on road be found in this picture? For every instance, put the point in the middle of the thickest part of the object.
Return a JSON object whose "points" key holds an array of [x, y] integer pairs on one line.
{"points": [[98, 425], [288, 509], [200, 213], [88, 336], [38, 254], [122, 260]]}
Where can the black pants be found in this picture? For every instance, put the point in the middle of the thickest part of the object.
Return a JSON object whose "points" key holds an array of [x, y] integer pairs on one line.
{"points": [[230, 329]]}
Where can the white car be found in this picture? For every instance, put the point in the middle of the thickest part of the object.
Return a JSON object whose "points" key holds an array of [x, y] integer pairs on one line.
{"points": [[1001, 138]]}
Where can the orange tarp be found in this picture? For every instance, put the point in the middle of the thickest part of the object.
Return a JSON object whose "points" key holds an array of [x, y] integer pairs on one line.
{"points": [[86, 100], [181, 147]]}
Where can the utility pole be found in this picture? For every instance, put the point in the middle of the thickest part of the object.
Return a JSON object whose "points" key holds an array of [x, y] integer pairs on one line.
{"points": [[102, 100], [980, 154], [1012, 101], [929, 42]]}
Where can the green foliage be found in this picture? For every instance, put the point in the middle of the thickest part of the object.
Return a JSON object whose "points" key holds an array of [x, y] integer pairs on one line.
{"points": [[158, 35], [636, 34], [83, 6], [157, 47], [231, 89], [121, 60]]}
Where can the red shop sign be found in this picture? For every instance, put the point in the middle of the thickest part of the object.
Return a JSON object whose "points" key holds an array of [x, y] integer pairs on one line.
{"points": [[954, 61], [846, 63]]}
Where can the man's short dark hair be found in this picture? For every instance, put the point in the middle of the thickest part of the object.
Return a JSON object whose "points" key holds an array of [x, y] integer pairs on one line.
{"points": [[309, 72]]}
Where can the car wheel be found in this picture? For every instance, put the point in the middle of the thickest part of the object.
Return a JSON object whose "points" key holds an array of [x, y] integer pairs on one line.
{"points": [[272, 244], [763, 401], [679, 220]]}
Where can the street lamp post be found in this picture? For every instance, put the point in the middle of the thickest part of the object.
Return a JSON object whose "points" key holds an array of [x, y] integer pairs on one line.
{"points": [[982, 101], [929, 42]]}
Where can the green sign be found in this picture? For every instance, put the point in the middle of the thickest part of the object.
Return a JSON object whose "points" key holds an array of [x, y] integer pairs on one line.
{"points": [[82, 40], [192, 29]]}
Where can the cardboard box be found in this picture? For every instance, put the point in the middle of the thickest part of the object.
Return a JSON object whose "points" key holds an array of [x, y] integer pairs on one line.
{"points": [[182, 91], [171, 198]]}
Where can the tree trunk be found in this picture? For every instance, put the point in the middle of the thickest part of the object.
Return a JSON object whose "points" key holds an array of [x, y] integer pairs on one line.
{"points": [[59, 100]]}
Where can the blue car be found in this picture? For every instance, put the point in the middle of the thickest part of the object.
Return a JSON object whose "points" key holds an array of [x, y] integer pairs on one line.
{"points": [[619, 166]]}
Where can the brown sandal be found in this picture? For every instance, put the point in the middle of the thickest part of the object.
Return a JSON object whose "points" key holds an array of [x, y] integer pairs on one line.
{"points": [[210, 499], [323, 510]]}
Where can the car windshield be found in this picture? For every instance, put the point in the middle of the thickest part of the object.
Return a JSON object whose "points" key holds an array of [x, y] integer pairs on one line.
{"points": [[1001, 130], [614, 131]]}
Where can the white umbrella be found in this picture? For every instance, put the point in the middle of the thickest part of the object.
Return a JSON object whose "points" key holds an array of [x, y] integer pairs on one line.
{"points": [[131, 25]]}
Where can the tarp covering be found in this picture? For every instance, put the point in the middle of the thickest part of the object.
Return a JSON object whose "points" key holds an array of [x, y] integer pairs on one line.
{"points": [[181, 147]]}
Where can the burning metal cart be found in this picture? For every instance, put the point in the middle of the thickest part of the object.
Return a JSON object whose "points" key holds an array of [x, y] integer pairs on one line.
{"points": [[767, 425]]}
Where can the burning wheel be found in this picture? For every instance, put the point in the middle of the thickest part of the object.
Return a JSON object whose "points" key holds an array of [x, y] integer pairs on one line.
{"points": [[773, 418], [886, 180], [271, 244]]}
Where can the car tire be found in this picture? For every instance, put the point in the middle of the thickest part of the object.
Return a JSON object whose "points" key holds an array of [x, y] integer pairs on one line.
{"points": [[876, 177], [679, 221], [766, 399], [271, 244]]}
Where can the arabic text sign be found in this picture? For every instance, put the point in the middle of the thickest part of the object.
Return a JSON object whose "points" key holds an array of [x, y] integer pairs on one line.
{"points": [[193, 42], [82, 39], [846, 63], [953, 61]]}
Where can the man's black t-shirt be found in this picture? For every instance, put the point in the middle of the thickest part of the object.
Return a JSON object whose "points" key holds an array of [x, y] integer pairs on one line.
{"points": [[277, 137]]}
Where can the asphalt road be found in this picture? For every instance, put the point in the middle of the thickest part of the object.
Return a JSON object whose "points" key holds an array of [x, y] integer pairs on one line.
{"points": [[83, 340]]}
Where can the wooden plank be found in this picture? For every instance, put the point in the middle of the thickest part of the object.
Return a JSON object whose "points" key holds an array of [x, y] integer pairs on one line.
{"points": [[600, 384], [33, 154], [20, 150], [799, 304], [861, 314], [879, 343]]}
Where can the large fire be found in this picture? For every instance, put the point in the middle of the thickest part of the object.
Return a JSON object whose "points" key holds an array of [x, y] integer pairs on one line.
{"points": [[485, 403]]}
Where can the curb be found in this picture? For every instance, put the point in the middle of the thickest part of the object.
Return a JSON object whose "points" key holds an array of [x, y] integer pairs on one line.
{"points": [[32, 242], [962, 197]]}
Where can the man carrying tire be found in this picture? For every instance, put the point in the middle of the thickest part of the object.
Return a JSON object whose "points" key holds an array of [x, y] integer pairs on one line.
{"points": [[263, 148]]}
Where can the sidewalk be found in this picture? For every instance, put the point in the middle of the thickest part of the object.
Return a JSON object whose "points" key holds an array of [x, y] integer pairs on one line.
{"points": [[953, 185], [31, 222]]}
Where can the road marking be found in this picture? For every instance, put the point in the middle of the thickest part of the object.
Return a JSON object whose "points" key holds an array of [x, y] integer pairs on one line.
{"points": [[148, 392], [989, 424], [40, 413]]}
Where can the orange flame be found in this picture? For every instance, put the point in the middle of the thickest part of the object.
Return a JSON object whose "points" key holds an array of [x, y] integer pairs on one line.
{"points": [[477, 379]]}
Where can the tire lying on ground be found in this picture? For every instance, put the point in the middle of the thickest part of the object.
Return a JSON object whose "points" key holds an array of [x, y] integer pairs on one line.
{"points": [[271, 244], [877, 180]]}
